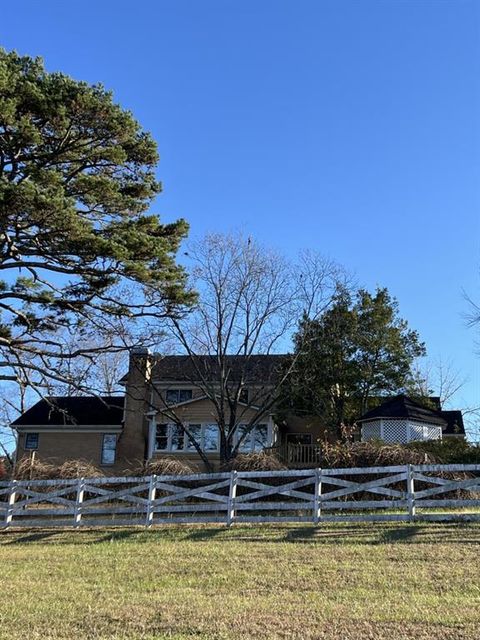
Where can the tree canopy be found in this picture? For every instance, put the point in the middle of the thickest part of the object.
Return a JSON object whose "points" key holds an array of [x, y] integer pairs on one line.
{"points": [[249, 302], [357, 351], [77, 176]]}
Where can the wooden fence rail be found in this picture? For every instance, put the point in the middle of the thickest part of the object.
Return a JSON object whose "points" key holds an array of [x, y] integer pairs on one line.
{"points": [[402, 493]]}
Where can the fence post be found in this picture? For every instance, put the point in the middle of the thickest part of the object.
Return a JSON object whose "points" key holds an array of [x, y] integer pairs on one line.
{"points": [[77, 516], [410, 493], [317, 497], [232, 494], [152, 491], [10, 503]]}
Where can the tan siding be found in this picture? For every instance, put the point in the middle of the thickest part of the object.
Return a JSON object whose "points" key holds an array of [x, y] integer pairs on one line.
{"points": [[202, 411], [58, 447]]}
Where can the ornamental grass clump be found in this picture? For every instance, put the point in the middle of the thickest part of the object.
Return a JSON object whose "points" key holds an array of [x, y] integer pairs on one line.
{"points": [[78, 469], [28, 469], [163, 467], [257, 461]]}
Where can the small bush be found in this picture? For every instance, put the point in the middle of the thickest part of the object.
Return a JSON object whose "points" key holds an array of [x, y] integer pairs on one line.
{"points": [[27, 469], [372, 454], [449, 450], [78, 469], [258, 461], [163, 467]]}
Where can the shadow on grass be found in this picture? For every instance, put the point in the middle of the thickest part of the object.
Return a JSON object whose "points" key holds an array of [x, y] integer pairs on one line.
{"points": [[328, 535], [37, 536]]}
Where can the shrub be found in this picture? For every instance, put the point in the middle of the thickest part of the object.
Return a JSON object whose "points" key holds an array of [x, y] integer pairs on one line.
{"points": [[78, 469], [372, 454], [257, 461], [27, 469], [449, 450], [163, 467]]}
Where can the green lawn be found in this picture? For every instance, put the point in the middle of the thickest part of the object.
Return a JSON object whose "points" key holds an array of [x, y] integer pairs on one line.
{"points": [[393, 581]]}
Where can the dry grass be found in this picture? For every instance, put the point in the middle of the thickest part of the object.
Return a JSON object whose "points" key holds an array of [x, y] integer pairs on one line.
{"points": [[27, 469], [257, 461], [163, 467], [372, 454], [348, 582]]}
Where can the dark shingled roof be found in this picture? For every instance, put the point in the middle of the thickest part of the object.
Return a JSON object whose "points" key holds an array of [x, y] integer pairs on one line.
{"points": [[404, 407], [454, 422], [67, 410], [260, 368]]}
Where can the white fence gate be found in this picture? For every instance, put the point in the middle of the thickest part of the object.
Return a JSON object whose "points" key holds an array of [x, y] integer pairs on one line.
{"points": [[399, 493]]}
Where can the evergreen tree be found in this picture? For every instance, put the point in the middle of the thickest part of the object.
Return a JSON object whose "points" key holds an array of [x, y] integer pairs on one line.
{"points": [[356, 352], [77, 175]]}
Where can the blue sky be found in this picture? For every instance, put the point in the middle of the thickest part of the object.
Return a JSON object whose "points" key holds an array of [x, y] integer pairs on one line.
{"points": [[350, 127]]}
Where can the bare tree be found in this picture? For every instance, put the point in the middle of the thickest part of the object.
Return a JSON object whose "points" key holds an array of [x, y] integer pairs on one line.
{"points": [[250, 301], [14, 399], [437, 377]]}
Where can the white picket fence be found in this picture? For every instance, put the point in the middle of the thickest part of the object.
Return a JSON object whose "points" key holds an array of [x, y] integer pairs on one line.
{"points": [[398, 493]]}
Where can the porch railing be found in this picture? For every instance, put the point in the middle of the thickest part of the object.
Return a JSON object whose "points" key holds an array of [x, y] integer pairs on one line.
{"points": [[297, 455]]}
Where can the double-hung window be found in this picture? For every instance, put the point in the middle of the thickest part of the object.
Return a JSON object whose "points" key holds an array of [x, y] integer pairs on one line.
{"points": [[109, 448], [210, 437], [172, 437], [252, 438], [176, 396], [196, 431], [161, 437], [260, 437], [31, 441]]}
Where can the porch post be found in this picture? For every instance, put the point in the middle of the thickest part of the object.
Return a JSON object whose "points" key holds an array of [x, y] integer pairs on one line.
{"points": [[152, 426]]}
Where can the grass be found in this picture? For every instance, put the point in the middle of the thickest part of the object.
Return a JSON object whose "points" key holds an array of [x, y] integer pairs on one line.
{"points": [[365, 581]]}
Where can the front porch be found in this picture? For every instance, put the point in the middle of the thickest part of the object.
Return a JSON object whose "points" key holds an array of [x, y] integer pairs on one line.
{"points": [[297, 455]]}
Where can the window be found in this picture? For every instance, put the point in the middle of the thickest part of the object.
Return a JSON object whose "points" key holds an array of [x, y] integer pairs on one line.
{"points": [[109, 447], [175, 396], [210, 437], [260, 437], [243, 396], [176, 437], [196, 431], [31, 441], [255, 440], [172, 437], [161, 437]]}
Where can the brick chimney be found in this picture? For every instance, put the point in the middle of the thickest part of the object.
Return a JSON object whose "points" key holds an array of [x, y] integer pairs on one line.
{"points": [[132, 445]]}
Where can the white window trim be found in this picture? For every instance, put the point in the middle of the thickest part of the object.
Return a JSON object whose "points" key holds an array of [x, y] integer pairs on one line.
{"points": [[186, 440], [178, 390], [152, 435], [32, 433], [270, 433], [107, 464]]}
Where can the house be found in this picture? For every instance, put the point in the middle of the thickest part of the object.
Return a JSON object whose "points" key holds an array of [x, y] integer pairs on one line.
{"points": [[161, 394], [61, 428], [165, 399], [402, 419]]}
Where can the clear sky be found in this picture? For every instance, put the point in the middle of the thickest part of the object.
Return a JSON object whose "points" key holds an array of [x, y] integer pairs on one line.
{"points": [[351, 127]]}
